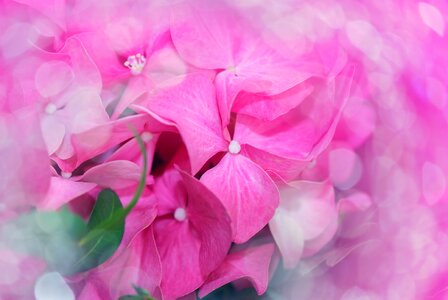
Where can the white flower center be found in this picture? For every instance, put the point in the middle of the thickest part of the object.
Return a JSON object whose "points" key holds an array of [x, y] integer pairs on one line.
{"points": [[66, 175], [50, 108], [135, 63], [146, 136], [180, 214], [234, 147]]}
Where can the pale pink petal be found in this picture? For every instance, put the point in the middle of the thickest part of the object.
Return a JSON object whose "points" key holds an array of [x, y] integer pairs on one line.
{"points": [[54, 9], [53, 131], [136, 87], [92, 142], [251, 263], [24, 161], [191, 105], [247, 192], [84, 110], [116, 174], [288, 236], [305, 212], [62, 191]]}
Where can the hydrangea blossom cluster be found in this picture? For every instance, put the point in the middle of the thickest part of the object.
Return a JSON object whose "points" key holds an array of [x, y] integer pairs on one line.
{"points": [[289, 144]]}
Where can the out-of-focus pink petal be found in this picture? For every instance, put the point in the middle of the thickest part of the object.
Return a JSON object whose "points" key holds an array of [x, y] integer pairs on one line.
{"points": [[54, 9], [115, 174], [306, 209], [251, 263], [191, 104], [24, 161], [138, 265], [247, 192], [62, 191], [53, 133]]}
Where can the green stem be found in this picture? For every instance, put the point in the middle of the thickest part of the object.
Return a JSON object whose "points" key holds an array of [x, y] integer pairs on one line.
{"points": [[121, 214]]}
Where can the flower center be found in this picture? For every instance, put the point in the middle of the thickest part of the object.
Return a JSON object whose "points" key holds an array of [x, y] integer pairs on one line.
{"points": [[234, 147], [180, 214], [135, 63], [50, 108], [146, 136], [66, 175]]}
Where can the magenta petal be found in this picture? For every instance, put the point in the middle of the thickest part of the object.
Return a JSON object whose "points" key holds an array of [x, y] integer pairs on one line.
{"points": [[211, 221], [191, 105], [179, 251], [191, 248], [115, 174], [247, 192], [170, 193], [62, 191], [251, 263]]}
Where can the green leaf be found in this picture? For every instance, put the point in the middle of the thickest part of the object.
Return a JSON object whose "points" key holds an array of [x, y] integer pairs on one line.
{"points": [[142, 294], [106, 227]]}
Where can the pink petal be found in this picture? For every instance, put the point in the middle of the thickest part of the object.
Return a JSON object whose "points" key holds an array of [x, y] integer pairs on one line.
{"points": [[303, 132], [116, 174], [268, 72], [220, 30], [288, 169], [191, 105], [62, 191], [247, 192], [271, 107], [251, 263]]}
